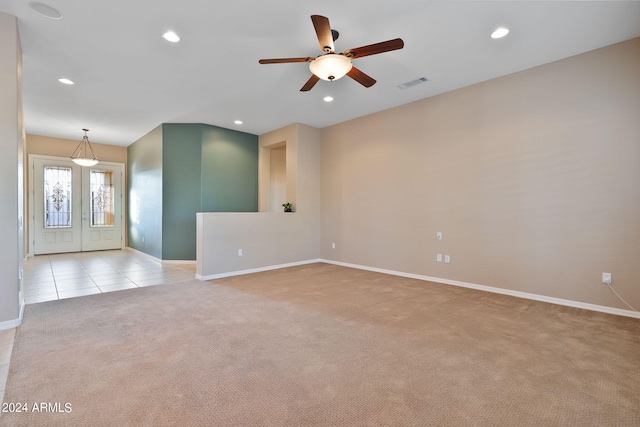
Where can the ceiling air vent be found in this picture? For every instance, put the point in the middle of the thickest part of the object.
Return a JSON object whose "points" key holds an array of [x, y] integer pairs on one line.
{"points": [[412, 83]]}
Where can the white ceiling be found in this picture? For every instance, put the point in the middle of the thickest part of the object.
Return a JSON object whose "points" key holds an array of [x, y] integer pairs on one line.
{"points": [[129, 80]]}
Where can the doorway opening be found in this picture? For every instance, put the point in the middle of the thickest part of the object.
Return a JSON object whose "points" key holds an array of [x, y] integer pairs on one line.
{"points": [[278, 178]]}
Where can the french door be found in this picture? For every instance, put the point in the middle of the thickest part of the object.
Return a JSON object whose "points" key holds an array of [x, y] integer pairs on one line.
{"points": [[75, 208]]}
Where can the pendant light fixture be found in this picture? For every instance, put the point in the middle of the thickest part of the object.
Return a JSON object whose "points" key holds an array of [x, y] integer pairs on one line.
{"points": [[81, 154]]}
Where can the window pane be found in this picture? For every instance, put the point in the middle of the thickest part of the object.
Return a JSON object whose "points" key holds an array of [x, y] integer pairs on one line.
{"points": [[101, 183], [57, 197]]}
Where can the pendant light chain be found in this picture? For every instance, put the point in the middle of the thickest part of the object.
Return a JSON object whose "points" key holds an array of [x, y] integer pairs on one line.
{"points": [[80, 156]]}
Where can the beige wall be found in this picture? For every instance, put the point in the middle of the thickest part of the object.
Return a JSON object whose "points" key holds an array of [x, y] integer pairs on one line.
{"points": [[533, 178], [49, 146]]}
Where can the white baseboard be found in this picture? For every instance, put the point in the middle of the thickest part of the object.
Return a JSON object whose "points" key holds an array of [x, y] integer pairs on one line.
{"points": [[518, 294], [10, 324], [256, 270], [161, 261], [144, 254]]}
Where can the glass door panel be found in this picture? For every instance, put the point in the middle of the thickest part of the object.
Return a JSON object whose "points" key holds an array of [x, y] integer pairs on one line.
{"points": [[101, 208], [58, 196], [102, 203], [56, 211]]}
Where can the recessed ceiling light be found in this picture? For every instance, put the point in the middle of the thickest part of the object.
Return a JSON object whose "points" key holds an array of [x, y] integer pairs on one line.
{"points": [[328, 98], [170, 36], [66, 81], [499, 33], [238, 122], [46, 10]]}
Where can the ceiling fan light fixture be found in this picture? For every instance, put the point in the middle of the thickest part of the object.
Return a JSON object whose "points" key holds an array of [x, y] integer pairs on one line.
{"points": [[81, 156], [331, 66]]}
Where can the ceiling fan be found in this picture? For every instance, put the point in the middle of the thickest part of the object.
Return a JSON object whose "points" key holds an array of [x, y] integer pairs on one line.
{"points": [[332, 66]]}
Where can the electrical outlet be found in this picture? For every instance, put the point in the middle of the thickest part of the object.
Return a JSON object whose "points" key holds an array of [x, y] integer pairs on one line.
{"points": [[447, 259], [142, 239], [239, 252], [333, 246], [606, 278], [439, 257]]}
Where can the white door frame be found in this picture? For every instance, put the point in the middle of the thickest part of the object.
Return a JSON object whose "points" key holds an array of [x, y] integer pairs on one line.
{"points": [[31, 198]]}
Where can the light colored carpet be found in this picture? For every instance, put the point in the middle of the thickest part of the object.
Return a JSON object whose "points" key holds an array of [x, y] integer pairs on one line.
{"points": [[322, 345]]}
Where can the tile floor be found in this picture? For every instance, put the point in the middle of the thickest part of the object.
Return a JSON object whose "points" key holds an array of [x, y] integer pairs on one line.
{"points": [[53, 277]]}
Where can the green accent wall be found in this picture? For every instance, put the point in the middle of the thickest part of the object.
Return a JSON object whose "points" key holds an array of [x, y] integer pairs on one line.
{"points": [[229, 170], [181, 153], [144, 172], [179, 169]]}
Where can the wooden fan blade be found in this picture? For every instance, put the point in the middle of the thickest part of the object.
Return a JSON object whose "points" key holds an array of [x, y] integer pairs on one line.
{"points": [[284, 60], [361, 77], [374, 49], [323, 31], [310, 83]]}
